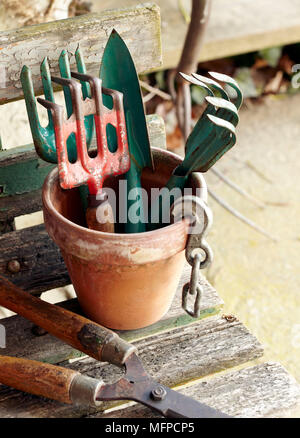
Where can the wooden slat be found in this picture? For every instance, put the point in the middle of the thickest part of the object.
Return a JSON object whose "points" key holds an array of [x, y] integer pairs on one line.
{"points": [[49, 349], [263, 391], [21, 171], [139, 26], [186, 353], [42, 266], [235, 27]]}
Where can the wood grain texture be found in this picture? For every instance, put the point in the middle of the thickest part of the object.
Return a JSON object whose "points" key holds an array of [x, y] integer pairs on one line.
{"points": [[30, 44], [37, 378], [184, 354], [263, 391], [41, 264], [234, 28], [21, 342]]}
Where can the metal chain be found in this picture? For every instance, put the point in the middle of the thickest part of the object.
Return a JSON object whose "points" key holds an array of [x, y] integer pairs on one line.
{"points": [[200, 213], [193, 287]]}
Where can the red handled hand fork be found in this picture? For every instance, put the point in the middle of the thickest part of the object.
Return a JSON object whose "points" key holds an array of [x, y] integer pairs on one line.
{"points": [[88, 170]]}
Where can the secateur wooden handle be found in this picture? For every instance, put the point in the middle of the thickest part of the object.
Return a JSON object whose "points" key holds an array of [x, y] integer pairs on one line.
{"points": [[79, 332], [50, 381]]}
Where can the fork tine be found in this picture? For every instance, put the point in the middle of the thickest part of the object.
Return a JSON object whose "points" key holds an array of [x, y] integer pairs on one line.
{"points": [[61, 145], [96, 87], [195, 81], [47, 86], [226, 109], [213, 84], [231, 83], [75, 91], [86, 91], [31, 107], [64, 68]]}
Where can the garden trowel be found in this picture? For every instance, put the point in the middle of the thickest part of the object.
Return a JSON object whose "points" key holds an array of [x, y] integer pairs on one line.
{"points": [[118, 72]]}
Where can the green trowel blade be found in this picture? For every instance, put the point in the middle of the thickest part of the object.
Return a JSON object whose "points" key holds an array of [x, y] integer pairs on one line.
{"points": [[118, 72]]}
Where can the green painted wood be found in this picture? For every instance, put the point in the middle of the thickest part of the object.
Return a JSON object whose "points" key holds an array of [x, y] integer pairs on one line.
{"points": [[21, 171]]}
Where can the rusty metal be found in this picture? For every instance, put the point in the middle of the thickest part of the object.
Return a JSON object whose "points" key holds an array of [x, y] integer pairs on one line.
{"points": [[138, 386], [44, 137], [200, 218], [87, 170], [69, 386], [14, 266]]}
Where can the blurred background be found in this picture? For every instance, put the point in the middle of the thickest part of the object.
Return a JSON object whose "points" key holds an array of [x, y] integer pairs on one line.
{"points": [[255, 190]]}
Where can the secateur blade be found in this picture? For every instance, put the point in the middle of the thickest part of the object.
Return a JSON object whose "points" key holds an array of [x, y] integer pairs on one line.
{"points": [[44, 137], [138, 386]]}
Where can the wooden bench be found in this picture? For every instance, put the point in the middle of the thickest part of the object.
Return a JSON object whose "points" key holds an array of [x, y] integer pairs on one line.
{"points": [[178, 351], [234, 28]]}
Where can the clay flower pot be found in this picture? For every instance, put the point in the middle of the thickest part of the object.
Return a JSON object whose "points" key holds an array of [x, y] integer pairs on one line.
{"points": [[122, 281]]}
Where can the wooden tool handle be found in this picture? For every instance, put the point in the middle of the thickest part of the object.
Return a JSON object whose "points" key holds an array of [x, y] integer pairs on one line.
{"points": [[99, 214], [79, 332], [37, 378]]}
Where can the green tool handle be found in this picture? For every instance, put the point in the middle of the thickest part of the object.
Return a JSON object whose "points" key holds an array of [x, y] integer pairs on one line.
{"points": [[157, 207], [134, 195]]}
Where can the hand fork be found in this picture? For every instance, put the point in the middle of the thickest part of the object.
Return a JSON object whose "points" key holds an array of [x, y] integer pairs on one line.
{"points": [[203, 156], [88, 170], [44, 137], [219, 107]]}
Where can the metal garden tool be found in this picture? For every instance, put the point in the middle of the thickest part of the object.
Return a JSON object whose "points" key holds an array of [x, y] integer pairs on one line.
{"points": [[220, 135], [69, 386], [222, 108], [88, 170], [118, 72], [44, 137], [212, 136]]}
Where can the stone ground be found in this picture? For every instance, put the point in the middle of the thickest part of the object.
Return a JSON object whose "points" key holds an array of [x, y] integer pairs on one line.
{"points": [[257, 278]]}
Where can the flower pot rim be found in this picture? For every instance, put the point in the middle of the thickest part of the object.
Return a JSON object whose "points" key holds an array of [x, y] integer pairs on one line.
{"points": [[47, 204]]}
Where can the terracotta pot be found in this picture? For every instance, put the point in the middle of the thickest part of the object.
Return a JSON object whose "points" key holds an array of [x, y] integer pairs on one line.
{"points": [[122, 281]]}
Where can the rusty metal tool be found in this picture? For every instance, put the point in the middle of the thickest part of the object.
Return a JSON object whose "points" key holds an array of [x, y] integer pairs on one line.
{"points": [[118, 72], [90, 170], [98, 342], [44, 137]]}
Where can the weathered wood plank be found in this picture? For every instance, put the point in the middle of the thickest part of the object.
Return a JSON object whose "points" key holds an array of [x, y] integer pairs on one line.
{"points": [[263, 391], [41, 264], [22, 171], [235, 27], [21, 342], [184, 354], [139, 26]]}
